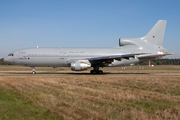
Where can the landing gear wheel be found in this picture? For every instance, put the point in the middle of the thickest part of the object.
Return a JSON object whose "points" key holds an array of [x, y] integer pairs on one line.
{"points": [[33, 72], [96, 72], [93, 72], [100, 72]]}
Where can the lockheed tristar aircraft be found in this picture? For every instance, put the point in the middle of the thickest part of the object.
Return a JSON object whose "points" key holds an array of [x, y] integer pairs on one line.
{"points": [[129, 52]]}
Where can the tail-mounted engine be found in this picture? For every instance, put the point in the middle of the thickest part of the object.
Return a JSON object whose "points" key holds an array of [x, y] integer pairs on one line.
{"points": [[79, 66], [128, 41]]}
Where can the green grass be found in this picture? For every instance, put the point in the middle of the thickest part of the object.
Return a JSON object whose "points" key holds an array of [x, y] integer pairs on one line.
{"points": [[85, 96], [150, 106], [14, 106]]}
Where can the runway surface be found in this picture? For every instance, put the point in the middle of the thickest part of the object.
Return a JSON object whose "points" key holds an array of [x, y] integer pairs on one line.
{"points": [[91, 74]]}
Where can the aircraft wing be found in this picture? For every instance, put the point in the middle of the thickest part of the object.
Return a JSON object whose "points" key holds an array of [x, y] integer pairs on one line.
{"points": [[106, 59], [111, 57]]}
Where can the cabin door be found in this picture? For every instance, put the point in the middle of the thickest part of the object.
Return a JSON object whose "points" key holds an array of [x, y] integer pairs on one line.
{"points": [[21, 55]]}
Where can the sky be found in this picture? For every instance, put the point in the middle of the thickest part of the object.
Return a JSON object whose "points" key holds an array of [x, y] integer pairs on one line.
{"points": [[84, 23]]}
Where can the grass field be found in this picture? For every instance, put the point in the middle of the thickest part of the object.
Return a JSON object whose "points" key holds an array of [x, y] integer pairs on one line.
{"points": [[84, 96]]}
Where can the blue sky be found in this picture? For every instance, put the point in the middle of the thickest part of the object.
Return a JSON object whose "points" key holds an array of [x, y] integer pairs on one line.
{"points": [[84, 23]]}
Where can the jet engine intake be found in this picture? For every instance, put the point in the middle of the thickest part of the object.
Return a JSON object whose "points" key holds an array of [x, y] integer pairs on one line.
{"points": [[79, 66], [127, 41]]}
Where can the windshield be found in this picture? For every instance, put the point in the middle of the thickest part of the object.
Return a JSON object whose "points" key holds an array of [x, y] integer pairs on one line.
{"points": [[11, 54]]}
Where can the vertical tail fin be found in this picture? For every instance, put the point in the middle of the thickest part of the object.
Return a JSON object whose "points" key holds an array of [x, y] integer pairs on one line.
{"points": [[156, 34]]}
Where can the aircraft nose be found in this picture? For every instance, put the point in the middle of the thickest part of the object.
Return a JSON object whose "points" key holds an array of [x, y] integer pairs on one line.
{"points": [[7, 60]]}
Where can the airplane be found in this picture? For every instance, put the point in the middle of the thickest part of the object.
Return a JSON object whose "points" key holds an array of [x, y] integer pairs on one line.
{"points": [[130, 51]]}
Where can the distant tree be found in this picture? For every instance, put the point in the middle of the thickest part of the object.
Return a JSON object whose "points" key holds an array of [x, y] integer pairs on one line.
{"points": [[2, 62], [162, 62]]}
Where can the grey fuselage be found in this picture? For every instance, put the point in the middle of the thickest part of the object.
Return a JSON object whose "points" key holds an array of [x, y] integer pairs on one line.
{"points": [[62, 57]]}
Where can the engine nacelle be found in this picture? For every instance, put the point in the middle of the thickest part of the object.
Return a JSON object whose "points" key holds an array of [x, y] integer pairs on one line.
{"points": [[78, 66], [127, 41]]}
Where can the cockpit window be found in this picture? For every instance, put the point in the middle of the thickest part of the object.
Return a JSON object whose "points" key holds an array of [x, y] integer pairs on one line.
{"points": [[11, 54]]}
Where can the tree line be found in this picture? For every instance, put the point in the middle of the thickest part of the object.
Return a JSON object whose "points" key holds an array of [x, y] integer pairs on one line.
{"points": [[162, 62], [153, 62], [2, 62]]}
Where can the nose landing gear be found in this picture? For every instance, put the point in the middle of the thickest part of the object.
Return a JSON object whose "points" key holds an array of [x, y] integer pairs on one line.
{"points": [[33, 71]]}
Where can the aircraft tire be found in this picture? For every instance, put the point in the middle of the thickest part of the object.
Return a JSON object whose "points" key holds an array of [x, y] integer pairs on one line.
{"points": [[33, 72], [94, 72], [100, 72]]}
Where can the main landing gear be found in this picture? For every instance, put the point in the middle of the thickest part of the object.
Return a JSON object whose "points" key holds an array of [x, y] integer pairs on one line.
{"points": [[33, 71], [96, 70]]}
